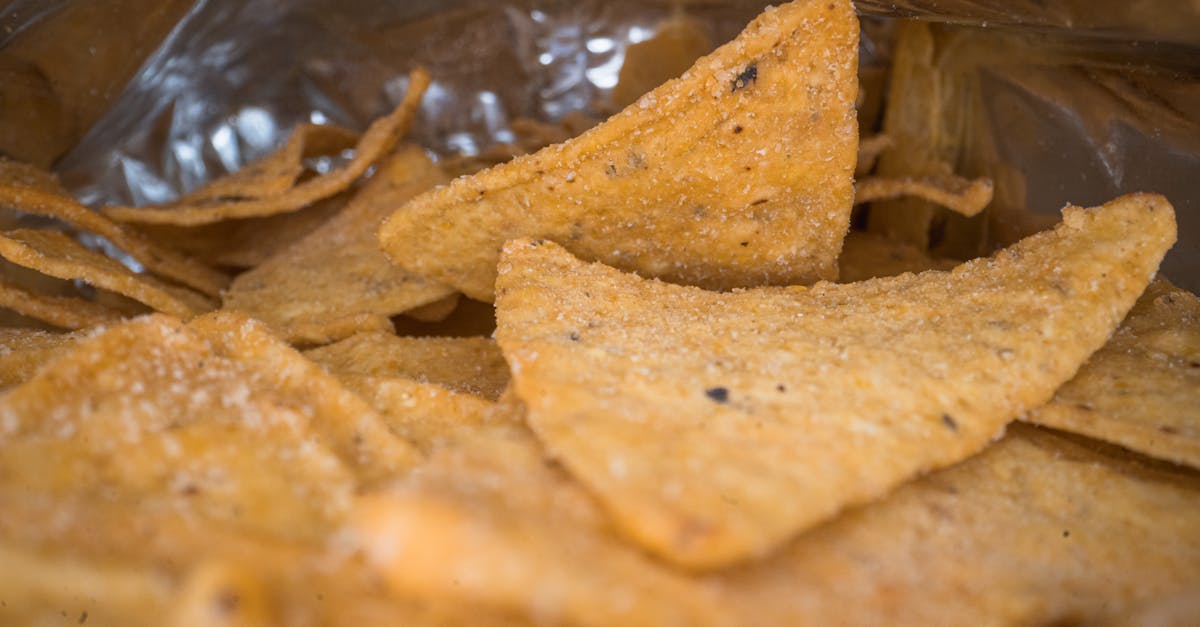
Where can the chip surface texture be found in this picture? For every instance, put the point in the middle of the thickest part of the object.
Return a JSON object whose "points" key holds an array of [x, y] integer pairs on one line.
{"points": [[715, 426]]}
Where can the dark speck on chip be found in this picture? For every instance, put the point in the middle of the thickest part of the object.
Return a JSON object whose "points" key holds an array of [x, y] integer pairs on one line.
{"points": [[748, 76], [949, 421], [720, 395]]}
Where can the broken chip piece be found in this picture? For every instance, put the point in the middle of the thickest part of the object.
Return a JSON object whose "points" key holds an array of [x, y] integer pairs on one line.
{"points": [[966, 197], [1142, 390], [379, 140], [715, 426], [335, 281], [61, 311], [736, 174]]}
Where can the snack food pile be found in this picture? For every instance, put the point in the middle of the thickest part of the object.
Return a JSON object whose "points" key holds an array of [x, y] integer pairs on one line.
{"points": [[642, 372]]}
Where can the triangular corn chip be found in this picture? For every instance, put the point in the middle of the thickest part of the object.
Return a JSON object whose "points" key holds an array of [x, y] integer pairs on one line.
{"points": [[59, 256], [350, 428], [23, 351], [335, 281], [158, 417], [376, 142], [715, 426], [736, 174], [472, 365], [32, 191], [1142, 390]]}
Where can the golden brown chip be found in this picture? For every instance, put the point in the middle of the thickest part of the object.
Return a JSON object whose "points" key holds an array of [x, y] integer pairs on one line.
{"points": [[1142, 390], [714, 426], [152, 414], [680, 40], [492, 522], [335, 281], [350, 428], [247, 242], [1036, 530], [738, 173], [278, 172], [29, 190], [472, 365], [436, 311], [376, 142], [965, 197], [23, 351], [869, 255], [61, 311], [55, 254]]}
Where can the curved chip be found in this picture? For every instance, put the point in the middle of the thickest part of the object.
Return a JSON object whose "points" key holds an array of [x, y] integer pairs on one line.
{"points": [[31, 191], [736, 174], [714, 426], [59, 256], [379, 140], [335, 281], [61, 311], [1142, 390], [966, 197]]}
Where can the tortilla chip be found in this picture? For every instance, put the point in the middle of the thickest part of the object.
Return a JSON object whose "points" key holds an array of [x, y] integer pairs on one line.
{"points": [[345, 423], [470, 319], [335, 282], [436, 311], [492, 522], [738, 173], [470, 365], [37, 589], [59, 256], [24, 351], [806, 400], [156, 417], [61, 311], [869, 255], [278, 172], [378, 141], [247, 242], [1036, 530], [680, 40], [28, 190], [965, 197], [1142, 390]]}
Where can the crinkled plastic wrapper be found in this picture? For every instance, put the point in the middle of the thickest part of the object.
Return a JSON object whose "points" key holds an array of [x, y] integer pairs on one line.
{"points": [[138, 102]]}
